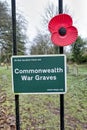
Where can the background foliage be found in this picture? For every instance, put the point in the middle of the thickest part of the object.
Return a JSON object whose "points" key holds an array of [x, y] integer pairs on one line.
{"points": [[6, 33]]}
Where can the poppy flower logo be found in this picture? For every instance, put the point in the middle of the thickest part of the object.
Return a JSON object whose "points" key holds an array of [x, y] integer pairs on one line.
{"points": [[63, 33]]}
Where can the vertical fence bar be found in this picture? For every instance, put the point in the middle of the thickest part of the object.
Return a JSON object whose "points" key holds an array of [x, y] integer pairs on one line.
{"points": [[13, 6], [61, 95]]}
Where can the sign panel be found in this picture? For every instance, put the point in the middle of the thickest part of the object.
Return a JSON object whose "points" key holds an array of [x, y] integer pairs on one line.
{"points": [[39, 74]]}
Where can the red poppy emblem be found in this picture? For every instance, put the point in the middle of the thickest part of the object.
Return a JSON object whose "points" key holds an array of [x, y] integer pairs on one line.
{"points": [[63, 33]]}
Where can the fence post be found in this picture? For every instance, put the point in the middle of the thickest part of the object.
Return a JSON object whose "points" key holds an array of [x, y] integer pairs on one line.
{"points": [[13, 6], [61, 95]]}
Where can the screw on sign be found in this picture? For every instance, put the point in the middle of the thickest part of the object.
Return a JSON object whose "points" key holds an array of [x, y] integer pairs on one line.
{"points": [[63, 32]]}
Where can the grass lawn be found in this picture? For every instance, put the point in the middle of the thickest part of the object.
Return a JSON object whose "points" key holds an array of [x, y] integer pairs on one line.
{"points": [[42, 112]]}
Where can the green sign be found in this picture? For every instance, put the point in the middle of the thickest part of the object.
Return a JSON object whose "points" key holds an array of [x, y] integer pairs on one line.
{"points": [[39, 74]]}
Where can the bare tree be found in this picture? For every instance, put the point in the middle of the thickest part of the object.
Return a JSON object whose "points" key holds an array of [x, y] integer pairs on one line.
{"points": [[42, 42], [41, 45], [50, 11]]}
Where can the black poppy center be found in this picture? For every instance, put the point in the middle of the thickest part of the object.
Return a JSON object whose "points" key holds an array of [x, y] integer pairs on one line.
{"points": [[62, 31]]}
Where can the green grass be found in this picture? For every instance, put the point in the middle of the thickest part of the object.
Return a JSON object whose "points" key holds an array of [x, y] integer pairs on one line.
{"points": [[41, 112]]}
